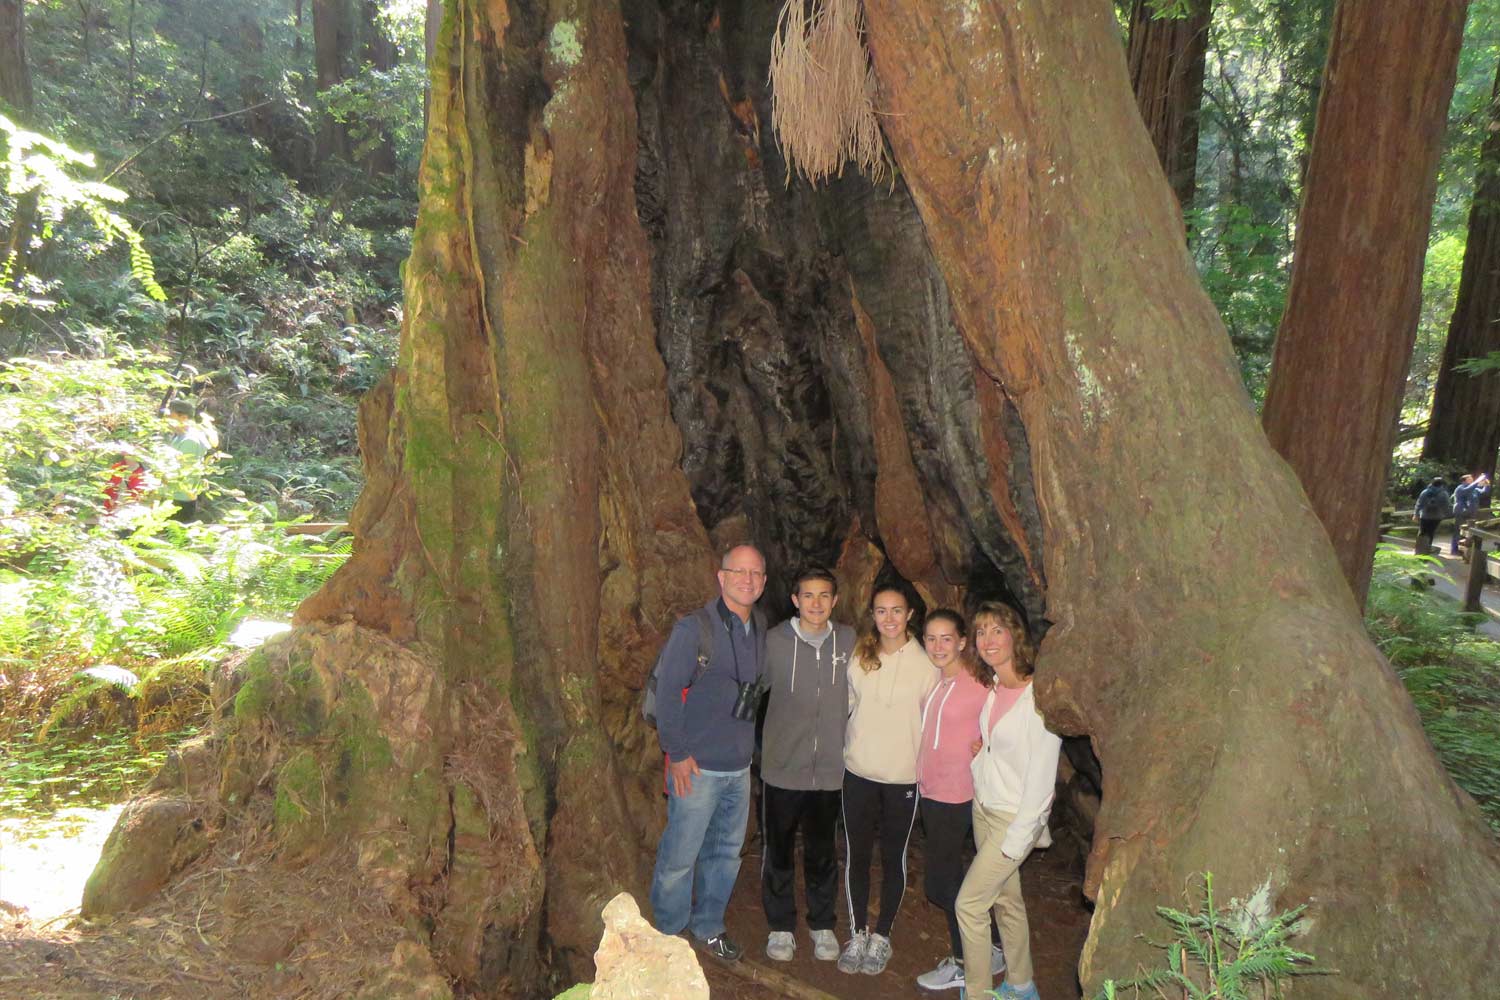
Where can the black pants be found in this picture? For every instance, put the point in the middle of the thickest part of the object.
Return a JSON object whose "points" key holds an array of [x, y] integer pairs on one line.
{"points": [[784, 811], [893, 809], [945, 828], [1428, 527]]}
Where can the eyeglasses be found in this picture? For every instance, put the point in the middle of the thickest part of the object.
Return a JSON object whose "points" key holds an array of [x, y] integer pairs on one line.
{"points": [[748, 574]]}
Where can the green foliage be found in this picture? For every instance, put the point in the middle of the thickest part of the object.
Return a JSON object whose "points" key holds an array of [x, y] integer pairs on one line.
{"points": [[1451, 673], [1235, 954], [43, 167]]}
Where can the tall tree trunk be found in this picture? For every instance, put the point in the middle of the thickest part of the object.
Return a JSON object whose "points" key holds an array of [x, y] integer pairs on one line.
{"points": [[333, 44], [953, 381], [430, 28], [1465, 425], [1166, 57], [1344, 345], [1014, 128], [378, 52], [17, 99]]}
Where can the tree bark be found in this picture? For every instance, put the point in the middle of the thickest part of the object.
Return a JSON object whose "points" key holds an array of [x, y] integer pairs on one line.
{"points": [[17, 98], [1344, 345], [1465, 426], [333, 43], [1014, 128], [379, 52], [1166, 57]]}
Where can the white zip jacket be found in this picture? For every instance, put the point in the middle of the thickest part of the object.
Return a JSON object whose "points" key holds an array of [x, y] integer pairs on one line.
{"points": [[1016, 772]]}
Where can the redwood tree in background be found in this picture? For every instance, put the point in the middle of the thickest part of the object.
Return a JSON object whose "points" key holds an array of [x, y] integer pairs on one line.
{"points": [[1346, 336], [1465, 425], [16, 99], [1166, 58]]}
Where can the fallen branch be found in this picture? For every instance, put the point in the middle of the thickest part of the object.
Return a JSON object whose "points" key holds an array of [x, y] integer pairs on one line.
{"points": [[176, 128]]}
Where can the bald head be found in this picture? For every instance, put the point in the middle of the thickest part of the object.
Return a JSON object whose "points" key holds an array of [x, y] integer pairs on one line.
{"points": [[742, 577]]}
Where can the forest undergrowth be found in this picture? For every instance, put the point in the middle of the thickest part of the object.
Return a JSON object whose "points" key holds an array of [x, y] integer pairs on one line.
{"points": [[1451, 671]]}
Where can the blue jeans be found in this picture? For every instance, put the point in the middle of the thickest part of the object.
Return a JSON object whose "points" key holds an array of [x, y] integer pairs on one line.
{"points": [[698, 858]]}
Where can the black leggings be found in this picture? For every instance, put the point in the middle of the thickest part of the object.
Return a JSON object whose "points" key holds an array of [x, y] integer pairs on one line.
{"points": [[893, 809], [945, 828]]}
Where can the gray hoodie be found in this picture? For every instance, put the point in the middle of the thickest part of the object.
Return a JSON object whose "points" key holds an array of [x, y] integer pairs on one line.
{"points": [[802, 747]]}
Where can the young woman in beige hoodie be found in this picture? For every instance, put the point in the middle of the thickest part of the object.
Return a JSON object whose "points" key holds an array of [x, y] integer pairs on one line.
{"points": [[890, 678]]}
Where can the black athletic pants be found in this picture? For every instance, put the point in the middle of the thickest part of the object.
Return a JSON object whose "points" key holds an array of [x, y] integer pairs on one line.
{"points": [[784, 811], [893, 809], [945, 828]]}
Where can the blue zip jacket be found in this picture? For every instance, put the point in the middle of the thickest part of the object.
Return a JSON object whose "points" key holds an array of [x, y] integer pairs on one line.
{"points": [[703, 725]]}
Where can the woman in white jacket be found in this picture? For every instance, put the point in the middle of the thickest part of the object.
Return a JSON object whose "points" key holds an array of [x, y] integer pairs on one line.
{"points": [[1014, 770]]}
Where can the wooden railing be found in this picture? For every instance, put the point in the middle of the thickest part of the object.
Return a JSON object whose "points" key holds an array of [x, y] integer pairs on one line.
{"points": [[1478, 535]]}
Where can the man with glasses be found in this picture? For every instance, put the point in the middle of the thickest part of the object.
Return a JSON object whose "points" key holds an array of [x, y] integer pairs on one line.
{"points": [[705, 717]]}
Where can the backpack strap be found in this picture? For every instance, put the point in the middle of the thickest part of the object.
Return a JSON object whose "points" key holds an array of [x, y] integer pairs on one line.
{"points": [[705, 618]]}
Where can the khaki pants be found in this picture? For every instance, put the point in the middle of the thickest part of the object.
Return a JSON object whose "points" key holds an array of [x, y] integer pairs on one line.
{"points": [[993, 881]]}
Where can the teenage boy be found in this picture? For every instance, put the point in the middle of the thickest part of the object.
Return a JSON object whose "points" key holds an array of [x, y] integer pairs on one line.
{"points": [[802, 764], [706, 721]]}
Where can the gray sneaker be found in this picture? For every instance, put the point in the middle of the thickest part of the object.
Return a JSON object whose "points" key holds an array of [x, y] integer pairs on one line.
{"points": [[853, 958], [781, 946], [876, 955], [825, 945], [948, 975], [997, 960]]}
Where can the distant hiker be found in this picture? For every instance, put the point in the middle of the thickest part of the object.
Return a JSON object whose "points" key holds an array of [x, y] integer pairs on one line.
{"points": [[1433, 504], [802, 764], [892, 676], [706, 721], [193, 439], [1466, 499], [127, 481], [945, 781], [1014, 774]]}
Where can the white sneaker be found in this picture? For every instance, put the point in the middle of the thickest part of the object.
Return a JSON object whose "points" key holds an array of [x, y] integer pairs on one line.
{"points": [[876, 955], [825, 945], [948, 974], [781, 946], [853, 957]]}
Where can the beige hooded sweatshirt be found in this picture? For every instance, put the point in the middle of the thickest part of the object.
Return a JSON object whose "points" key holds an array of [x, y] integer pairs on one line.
{"points": [[885, 715]]}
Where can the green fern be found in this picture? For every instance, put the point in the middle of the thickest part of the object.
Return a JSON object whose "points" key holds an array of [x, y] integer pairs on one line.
{"points": [[1213, 955]]}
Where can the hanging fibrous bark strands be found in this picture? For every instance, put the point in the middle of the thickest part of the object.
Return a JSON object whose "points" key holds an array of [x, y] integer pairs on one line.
{"points": [[823, 90]]}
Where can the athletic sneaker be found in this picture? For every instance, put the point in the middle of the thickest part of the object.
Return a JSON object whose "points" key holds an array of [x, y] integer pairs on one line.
{"points": [[825, 945], [853, 958], [720, 947], [948, 974], [876, 955], [997, 960], [781, 946], [1026, 992]]}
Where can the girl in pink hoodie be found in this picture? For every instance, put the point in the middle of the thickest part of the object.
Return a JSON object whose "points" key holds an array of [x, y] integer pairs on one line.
{"points": [[950, 728]]}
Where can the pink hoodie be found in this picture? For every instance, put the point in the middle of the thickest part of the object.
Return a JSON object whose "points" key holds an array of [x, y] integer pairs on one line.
{"points": [[950, 724]]}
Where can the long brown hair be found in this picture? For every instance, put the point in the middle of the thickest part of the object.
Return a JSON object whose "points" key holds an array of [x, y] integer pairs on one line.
{"points": [[867, 649], [977, 668], [1023, 650]]}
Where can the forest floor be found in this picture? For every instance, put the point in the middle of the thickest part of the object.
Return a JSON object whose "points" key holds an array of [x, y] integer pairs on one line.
{"points": [[1053, 887], [1456, 568], [157, 952]]}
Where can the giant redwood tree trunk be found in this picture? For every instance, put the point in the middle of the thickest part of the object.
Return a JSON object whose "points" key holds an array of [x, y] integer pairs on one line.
{"points": [[1204, 637], [1345, 340], [628, 341], [1166, 57], [1465, 425]]}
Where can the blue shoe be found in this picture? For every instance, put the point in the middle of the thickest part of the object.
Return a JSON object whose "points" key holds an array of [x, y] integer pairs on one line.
{"points": [[1009, 992]]}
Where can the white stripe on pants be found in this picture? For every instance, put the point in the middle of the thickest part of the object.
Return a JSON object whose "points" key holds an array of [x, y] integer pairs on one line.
{"points": [[994, 880]]}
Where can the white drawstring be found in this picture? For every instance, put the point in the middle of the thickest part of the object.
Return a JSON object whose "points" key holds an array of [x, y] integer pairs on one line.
{"points": [[796, 641]]}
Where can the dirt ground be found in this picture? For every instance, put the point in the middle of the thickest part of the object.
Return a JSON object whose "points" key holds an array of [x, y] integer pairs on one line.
{"points": [[318, 937], [1053, 886]]}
